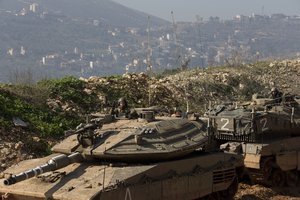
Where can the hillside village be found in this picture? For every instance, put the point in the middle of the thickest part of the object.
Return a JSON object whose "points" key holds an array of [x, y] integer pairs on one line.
{"points": [[95, 47]]}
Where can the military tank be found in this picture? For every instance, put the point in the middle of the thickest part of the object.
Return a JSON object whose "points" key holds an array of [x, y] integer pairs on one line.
{"points": [[129, 159], [266, 132]]}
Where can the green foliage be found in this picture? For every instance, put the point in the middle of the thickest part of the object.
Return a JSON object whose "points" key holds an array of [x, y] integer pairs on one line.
{"points": [[67, 88], [112, 89], [41, 119], [4, 122], [33, 94], [7, 105], [233, 81], [134, 90], [71, 89]]}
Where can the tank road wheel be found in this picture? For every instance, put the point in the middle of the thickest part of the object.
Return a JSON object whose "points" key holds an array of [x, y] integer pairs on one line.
{"points": [[267, 168], [278, 178], [292, 178]]}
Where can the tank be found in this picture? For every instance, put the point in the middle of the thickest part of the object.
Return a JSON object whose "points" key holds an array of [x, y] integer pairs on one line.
{"points": [[143, 158], [266, 132]]}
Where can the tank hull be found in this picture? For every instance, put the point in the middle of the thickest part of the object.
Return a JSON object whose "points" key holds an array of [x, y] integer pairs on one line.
{"points": [[267, 134], [274, 162], [189, 178], [275, 157]]}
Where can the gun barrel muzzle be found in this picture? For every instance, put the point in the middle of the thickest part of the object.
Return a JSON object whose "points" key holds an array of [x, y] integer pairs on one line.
{"points": [[55, 163]]}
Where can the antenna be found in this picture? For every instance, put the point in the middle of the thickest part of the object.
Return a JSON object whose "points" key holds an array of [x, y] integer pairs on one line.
{"points": [[176, 38], [201, 41], [149, 66], [183, 63]]}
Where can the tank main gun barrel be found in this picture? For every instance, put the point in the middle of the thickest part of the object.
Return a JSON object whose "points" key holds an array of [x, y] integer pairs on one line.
{"points": [[55, 163]]}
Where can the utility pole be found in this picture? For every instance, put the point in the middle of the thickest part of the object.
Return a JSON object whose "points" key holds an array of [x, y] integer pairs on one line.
{"points": [[178, 54], [201, 42]]}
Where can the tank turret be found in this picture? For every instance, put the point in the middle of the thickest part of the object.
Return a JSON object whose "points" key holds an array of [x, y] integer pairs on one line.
{"points": [[137, 140]]}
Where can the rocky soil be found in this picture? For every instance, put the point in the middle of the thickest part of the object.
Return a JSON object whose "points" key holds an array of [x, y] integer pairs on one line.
{"points": [[200, 86], [259, 192], [19, 144], [12, 147]]}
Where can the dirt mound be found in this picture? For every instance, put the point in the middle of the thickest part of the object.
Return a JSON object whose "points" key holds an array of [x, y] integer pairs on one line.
{"points": [[259, 192], [19, 144]]}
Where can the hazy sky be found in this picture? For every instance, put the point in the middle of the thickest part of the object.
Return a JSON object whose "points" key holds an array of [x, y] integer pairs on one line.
{"points": [[186, 10]]}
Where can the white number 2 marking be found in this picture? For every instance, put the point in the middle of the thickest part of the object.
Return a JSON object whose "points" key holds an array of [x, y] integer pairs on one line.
{"points": [[263, 122], [225, 124]]}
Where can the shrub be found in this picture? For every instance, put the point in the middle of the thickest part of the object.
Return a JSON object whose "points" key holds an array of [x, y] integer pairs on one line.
{"points": [[71, 89], [41, 119]]}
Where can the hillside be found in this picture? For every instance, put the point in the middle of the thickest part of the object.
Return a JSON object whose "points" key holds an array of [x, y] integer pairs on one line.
{"points": [[106, 11], [61, 38], [52, 106], [52, 39]]}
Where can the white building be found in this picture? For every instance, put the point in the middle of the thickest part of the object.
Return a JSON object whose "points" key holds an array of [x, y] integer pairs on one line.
{"points": [[33, 7]]}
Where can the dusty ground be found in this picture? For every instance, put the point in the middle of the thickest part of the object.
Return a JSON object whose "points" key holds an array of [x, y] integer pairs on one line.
{"points": [[259, 192]]}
